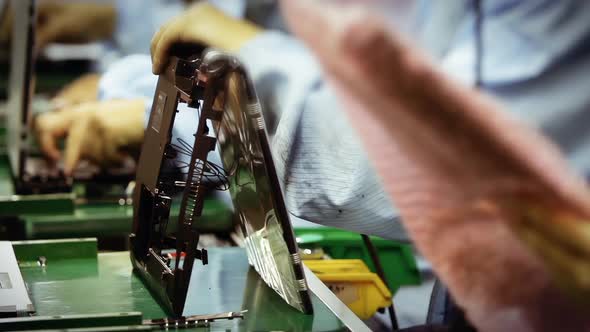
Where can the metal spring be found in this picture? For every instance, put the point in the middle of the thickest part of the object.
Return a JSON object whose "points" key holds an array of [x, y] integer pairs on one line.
{"points": [[193, 183], [255, 112], [302, 284]]}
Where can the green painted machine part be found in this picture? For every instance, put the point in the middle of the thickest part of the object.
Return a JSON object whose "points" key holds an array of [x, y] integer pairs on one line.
{"points": [[112, 220], [15, 205], [89, 220], [53, 250], [397, 259]]}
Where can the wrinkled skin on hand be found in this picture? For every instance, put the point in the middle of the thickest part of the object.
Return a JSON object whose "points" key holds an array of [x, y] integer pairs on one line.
{"points": [[100, 132], [490, 202]]}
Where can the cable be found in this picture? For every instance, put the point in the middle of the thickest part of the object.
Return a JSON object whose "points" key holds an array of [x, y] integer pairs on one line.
{"points": [[379, 269], [214, 176]]}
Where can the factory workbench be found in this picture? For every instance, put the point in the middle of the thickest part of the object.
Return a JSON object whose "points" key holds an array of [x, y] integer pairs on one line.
{"points": [[80, 288]]}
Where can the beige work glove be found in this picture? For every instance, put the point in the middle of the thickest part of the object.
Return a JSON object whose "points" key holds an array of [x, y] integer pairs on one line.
{"points": [[84, 89], [100, 132], [67, 22], [201, 24]]}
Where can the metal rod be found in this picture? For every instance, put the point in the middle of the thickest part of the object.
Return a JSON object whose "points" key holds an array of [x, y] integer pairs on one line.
{"points": [[379, 269], [478, 33]]}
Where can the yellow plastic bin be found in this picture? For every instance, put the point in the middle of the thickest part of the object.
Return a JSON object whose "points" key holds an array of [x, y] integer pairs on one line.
{"points": [[397, 259], [354, 284]]}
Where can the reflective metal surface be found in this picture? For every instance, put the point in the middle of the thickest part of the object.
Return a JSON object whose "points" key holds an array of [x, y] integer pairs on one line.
{"points": [[253, 182], [215, 86], [14, 299], [348, 318]]}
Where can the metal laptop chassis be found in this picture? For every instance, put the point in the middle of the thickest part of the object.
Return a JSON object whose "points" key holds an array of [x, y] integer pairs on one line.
{"points": [[152, 200], [204, 85]]}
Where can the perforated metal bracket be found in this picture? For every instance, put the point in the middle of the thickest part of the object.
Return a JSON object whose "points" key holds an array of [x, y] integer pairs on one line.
{"points": [[151, 241]]}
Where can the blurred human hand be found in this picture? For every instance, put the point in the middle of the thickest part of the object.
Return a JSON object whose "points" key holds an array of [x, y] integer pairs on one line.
{"points": [[489, 201], [201, 24], [67, 22], [95, 131], [83, 89]]}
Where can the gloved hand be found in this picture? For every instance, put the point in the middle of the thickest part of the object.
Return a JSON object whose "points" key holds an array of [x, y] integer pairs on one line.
{"points": [[83, 89], [201, 24], [96, 131], [67, 22]]}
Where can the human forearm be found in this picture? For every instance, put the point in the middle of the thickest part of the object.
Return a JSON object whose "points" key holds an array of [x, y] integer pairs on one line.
{"points": [[476, 189]]}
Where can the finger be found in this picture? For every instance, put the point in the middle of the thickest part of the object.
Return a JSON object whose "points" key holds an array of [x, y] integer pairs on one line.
{"points": [[157, 36], [48, 145], [49, 127], [161, 54], [78, 144], [155, 50]]}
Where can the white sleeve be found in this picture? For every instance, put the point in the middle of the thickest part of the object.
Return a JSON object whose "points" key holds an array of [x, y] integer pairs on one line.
{"points": [[536, 61], [138, 21], [325, 174]]}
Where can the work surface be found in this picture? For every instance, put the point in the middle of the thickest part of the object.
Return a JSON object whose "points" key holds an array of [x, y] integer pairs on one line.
{"points": [[60, 216], [106, 284]]}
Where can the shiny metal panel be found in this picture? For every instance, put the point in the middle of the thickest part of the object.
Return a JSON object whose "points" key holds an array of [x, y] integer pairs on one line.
{"points": [[253, 182]]}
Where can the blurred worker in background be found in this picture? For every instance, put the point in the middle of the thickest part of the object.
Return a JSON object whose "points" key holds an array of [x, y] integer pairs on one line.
{"points": [[129, 81], [119, 27], [67, 22], [326, 176]]}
